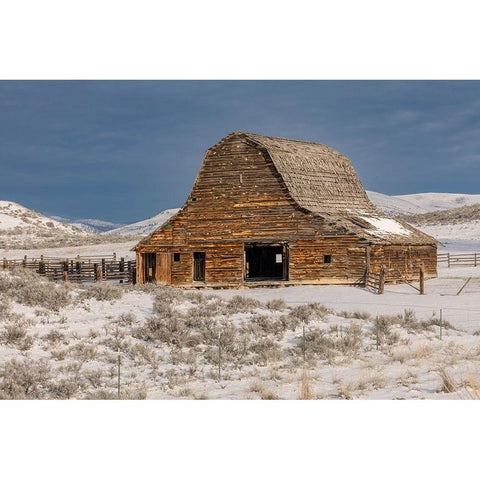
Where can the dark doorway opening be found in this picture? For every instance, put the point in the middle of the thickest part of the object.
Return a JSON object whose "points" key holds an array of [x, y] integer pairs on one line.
{"points": [[266, 262], [149, 267], [199, 266]]}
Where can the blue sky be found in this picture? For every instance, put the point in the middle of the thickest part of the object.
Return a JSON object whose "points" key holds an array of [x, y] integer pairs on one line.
{"points": [[125, 150]]}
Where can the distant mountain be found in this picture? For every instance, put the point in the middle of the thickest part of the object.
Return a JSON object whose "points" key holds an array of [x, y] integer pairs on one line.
{"points": [[17, 219], [92, 225], [21, 227], [417, 203], [394, 206], [144, 227], [431, 202]]}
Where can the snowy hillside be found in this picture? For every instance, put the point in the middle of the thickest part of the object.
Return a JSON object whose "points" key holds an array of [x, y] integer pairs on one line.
{"points": [[393, 206], [451, 218], [16, 219], [93, 225], [415, 203], [145, 226], [450, 226], [20, 226], [431, 202]]}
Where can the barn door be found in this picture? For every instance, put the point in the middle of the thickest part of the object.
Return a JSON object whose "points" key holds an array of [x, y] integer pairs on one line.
{"points": [[149, 267], [164, 268], [199, 266]]}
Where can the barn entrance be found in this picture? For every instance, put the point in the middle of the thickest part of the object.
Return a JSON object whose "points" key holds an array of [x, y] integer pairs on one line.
{"points": [[149, 267], [266, 262], [199, 266]]}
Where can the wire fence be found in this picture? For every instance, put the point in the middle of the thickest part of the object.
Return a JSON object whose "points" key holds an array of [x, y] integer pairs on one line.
{"points": [[465, 318]]}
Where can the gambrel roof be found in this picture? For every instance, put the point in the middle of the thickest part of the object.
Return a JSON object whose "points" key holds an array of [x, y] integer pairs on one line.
{"points": [[324, 182]]}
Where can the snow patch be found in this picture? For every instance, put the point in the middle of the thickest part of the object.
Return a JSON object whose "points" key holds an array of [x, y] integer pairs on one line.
{"points": [[386, 226]]}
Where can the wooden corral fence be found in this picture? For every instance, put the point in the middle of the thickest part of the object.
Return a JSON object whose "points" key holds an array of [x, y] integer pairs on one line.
{"points": [[461, 259], [375, 280], [79, 269]]}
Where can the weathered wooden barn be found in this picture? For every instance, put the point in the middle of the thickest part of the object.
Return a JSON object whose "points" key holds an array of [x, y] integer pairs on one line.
{"points": [[266, 211]]}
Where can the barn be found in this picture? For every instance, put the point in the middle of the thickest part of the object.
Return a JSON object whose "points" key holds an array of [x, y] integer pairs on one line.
{"points": [[273, 211]]}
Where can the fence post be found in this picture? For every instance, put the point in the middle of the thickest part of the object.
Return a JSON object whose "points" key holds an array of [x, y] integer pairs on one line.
{"points": [[118, 379], [448, 259], [422, 280], [377, 332], [65, 275], [114, 257], [25, 261], [304, 343], [104, 270], [475, 260], [5, 263], [441, 322], [219, 358], [381, 280]]}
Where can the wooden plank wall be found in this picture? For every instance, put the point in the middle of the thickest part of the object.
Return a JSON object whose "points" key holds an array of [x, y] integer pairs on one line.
{"points": [[403, 262], [348, 261]]}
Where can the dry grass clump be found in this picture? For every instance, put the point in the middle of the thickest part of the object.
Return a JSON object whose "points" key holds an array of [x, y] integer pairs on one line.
{"points": [[102, 292], [410, 322], [277, 304], [268, 395], [54, 337], [264, 325], [306, 314], [209, 309], [357, 314], [15, 328], [448, 383], [84, 352], [265, 350], [382, 329], [416, 352], [328, 344], [371, 381], [171, 330], [126, 319], [306, 389], [24, 379], [28, 288], [241, 304]]}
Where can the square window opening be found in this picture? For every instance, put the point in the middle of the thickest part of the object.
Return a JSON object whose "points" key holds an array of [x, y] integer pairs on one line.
{"points": [[327, 259], [176, 257]]}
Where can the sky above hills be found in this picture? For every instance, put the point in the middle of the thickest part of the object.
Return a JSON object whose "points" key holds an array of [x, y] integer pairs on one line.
{"points": [[125, 150]]}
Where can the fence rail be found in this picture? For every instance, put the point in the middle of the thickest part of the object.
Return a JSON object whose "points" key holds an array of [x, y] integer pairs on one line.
{"points": [[78, 269], [465, 259]]}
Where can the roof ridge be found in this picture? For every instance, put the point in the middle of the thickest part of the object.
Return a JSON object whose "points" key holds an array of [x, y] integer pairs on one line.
{"points": [[251, 134]]}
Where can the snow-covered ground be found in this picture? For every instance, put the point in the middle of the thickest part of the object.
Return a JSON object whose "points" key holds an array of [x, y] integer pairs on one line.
{"points": [[452, 235], [461, 310], [63, 342]]}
